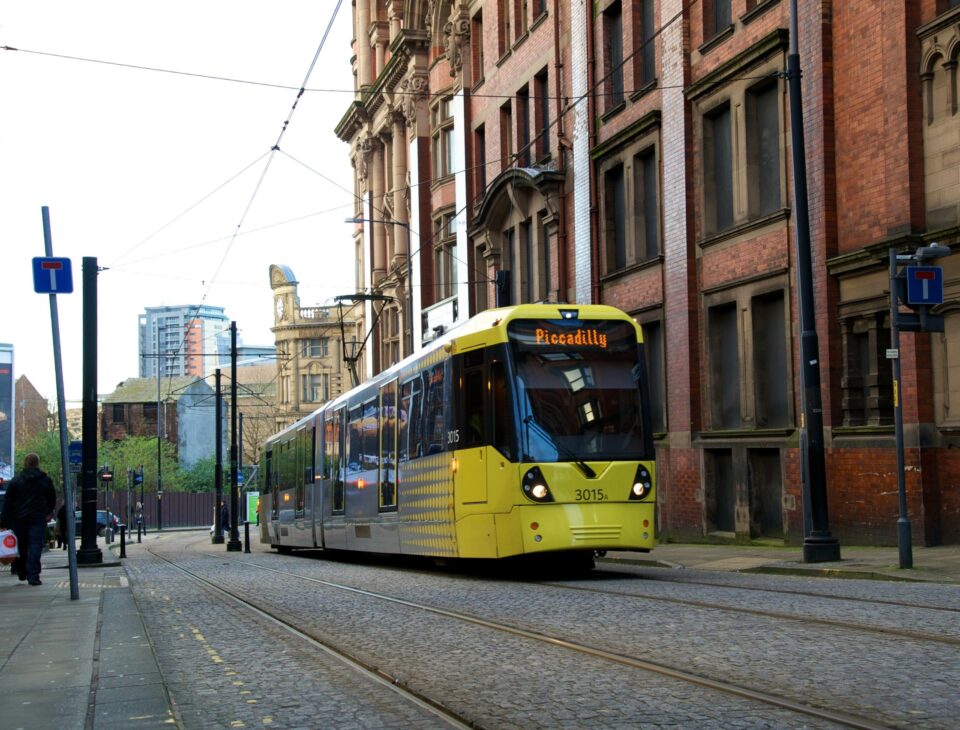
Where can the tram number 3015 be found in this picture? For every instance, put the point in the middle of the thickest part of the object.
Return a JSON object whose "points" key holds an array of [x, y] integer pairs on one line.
{"points": [[590, 495]]}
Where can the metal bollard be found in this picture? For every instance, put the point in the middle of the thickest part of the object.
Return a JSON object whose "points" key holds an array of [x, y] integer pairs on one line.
{"points": [[246, 536], [123, 541], [139, 528]]}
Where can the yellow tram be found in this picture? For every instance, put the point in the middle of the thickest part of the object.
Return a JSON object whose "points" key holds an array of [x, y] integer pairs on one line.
{"points": [[524, 431]]}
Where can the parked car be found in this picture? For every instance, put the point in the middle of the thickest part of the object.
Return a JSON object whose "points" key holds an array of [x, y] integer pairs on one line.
{"points": [[105, 518]]}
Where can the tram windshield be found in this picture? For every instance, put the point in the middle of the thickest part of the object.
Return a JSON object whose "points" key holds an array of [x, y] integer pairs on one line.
{"points": [[577, 391]]}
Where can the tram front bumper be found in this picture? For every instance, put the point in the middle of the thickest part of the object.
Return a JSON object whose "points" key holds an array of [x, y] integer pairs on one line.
{"points": [[585, 526]]}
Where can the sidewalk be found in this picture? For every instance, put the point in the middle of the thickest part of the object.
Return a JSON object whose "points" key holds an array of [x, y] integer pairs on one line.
{"points": [[77, 664], [934, 564]]}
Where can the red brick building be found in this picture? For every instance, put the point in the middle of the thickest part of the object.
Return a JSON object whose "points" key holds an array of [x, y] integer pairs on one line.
{"points": [[639, 154], [33, 411]]}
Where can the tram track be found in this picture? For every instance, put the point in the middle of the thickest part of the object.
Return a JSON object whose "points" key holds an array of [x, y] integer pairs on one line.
{"points": [[600, 573], [378, 676], [781, 615], [661, 669]]}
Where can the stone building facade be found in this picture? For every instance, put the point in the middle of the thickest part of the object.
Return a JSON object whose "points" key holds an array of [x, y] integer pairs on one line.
{"points": [[311, 359], [639, 154]]}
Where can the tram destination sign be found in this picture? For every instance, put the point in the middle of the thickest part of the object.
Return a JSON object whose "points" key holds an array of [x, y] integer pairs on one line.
{"points": [[582, 336], [572, 335]]}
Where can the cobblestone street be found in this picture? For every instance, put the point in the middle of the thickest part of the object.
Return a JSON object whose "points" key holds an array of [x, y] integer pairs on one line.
{"points": [[830, 645]]}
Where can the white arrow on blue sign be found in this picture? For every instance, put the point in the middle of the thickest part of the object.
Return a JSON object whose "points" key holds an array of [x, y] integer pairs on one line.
{"points": [[52, 275], [924, 285]]}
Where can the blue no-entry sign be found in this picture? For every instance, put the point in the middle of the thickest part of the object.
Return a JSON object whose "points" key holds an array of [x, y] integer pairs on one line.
{"points": [[52, 275], [924, 285]]}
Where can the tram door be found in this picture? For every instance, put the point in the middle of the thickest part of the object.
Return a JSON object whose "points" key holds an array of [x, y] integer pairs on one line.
{"points": [[471, 427], [317, 485], [267, 498], [332, 476]]}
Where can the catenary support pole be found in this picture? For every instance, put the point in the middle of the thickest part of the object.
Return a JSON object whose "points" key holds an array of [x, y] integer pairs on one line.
{"points": [[89, 553], [218, 526], [818, 544], [234, 543]]}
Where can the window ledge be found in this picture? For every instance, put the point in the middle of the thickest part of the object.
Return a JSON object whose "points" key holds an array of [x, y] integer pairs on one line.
{"points": [[759, 9], [614, 111], [537, 21], [439, 182], [944, 20], [520, 40], [503, 59], [644, 90], [717, 39], [863, 430], [477, 84], [740, 433], [631, 269], [732, 232]]}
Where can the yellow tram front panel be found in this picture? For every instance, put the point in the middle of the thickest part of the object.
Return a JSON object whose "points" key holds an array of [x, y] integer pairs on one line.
{"points": [[584, 514]]}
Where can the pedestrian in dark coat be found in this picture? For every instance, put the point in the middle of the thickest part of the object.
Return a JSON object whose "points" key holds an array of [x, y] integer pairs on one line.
{"points": [[27, 509], [224, 517], [62, 526]]}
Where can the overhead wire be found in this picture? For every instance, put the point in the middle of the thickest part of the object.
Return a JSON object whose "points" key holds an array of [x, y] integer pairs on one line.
{"points": [[304, 89], [301, 90], [273, 151], [186, 210]]}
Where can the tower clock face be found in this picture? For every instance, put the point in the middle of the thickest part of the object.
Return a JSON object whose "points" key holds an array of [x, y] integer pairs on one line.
{"points": [[279, 307]]}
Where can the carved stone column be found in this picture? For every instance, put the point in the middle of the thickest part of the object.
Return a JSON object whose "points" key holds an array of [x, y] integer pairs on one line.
{"points": [[364, 70], [379, 231], [401, 243], [395, 13], [416, 88], [457, 42]]}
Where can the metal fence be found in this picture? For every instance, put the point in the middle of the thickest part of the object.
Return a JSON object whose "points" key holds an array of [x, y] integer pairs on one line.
{"points": [[180, 509]]}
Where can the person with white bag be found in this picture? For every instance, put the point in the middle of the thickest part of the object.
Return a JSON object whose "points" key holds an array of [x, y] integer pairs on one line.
{"points": [[30, 500]]}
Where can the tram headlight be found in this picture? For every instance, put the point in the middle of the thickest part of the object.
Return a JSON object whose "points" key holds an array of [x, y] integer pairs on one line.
{"points": [[642, 483], [535, 486]]}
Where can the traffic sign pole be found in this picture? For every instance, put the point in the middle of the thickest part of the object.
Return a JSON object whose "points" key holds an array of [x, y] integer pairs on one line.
{"points": [[61, 407], [904, 533]]}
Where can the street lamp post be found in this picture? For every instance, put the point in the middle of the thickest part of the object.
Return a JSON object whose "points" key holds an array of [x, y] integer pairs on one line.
{"points": [[406, 227], [919, 322]]}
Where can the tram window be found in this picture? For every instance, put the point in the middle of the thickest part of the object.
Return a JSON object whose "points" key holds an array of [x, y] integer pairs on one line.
{"points": [[410, 420], [354, 442], [329, 463], [434, 431], [473, 411], [303, 472], [369, 441], [388, 446], [268, 466], [336, 464], [500, 409]]}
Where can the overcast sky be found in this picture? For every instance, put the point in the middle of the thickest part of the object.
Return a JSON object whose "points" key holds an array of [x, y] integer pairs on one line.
{"points": [[154, 173]]}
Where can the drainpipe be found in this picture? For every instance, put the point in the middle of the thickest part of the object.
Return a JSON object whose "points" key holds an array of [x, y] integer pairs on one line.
{"points": [[592, 127], [562, 283]]}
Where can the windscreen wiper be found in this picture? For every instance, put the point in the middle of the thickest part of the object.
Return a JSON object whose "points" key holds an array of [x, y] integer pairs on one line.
{"points": [[563, 450]]}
